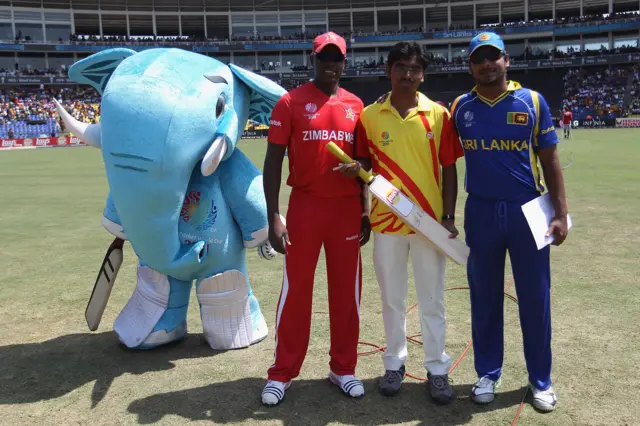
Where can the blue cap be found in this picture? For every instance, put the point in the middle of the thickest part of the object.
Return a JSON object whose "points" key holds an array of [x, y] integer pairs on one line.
{"points": [[486, 39]]}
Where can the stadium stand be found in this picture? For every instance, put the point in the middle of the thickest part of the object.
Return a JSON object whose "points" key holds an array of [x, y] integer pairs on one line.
{"points": [[577, 53], [597, 92], [634, 92], [26, 112]]}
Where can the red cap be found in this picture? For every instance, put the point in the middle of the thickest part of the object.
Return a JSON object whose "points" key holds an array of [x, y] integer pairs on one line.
{"points": [[326, 39]]}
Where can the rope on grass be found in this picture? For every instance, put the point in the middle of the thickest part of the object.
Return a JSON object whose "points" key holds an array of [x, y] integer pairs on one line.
{"points": [[413, 339]]}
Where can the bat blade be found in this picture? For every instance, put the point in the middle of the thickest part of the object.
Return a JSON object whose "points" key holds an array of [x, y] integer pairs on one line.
{"points": [[104, 284], [418, 220], [409, 212]]}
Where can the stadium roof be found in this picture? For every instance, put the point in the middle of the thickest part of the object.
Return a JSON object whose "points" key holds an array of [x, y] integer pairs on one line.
{"points": [[273, 5]]}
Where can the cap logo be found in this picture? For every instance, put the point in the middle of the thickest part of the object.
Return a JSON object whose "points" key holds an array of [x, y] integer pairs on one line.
{"points": [[331, 36], [484, 37]]}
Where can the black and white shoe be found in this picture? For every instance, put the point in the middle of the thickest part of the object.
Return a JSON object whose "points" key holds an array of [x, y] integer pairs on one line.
{"points": [[350, 385], [273, 392]]}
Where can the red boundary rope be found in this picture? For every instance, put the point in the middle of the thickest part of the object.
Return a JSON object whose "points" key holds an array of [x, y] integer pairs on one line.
{"points": [[413, 339]]}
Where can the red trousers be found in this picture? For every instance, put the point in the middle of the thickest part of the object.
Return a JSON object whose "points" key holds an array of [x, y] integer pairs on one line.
{"points": [[313, 222]]}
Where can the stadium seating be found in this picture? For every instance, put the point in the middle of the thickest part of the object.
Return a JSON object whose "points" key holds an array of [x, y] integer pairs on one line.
{"points": [[30, 112], [15, 123], [597, 91]]}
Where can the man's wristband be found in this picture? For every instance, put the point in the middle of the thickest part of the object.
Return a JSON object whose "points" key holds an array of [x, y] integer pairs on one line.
{"points": [[448, 217]]}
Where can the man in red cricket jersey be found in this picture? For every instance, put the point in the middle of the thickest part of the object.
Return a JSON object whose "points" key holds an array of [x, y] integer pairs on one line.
{"points": [[567, 119], [325, 208]]}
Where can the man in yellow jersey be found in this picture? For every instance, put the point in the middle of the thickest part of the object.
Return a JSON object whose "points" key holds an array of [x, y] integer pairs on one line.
{"points": [[411, 141]]}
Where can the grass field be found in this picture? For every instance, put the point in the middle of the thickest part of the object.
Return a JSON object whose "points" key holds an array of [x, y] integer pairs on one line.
{"points": [[54, 371]]}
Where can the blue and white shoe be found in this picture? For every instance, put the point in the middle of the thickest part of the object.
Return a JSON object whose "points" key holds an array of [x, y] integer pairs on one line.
{"points": [[484, 391], [545, 400]]}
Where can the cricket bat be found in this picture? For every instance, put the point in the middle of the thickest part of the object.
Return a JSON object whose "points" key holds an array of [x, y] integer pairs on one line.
{"points": [[409, 212], [104, 284]]}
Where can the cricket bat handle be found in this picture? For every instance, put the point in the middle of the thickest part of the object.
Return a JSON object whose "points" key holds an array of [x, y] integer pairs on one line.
{"points": [[340, 154]]}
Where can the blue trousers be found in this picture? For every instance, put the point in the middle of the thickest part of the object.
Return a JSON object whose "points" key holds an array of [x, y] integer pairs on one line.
{"points": [[492, 228]]}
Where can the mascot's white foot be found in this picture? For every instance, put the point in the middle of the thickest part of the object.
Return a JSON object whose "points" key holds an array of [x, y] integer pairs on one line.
{"points": [[162, 337], [144, 309], [225, 310]]}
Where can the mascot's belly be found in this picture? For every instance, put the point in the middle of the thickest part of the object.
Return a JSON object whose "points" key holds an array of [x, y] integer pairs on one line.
{"points": [[206, 216]]}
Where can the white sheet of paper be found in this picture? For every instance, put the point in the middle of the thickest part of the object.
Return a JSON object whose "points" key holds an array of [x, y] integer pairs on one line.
{"points": [[539, 213]]}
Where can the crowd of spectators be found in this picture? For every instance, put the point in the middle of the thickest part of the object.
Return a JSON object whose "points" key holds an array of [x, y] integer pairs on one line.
{"points": [[634, 104], [30, 112], [438, 59], [434, 59], [598, 92]]}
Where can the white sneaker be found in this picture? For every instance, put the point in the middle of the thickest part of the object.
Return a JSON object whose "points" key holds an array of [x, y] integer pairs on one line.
{"points": [[350, 385], [544, 400], [273, 392], [484, 391]]}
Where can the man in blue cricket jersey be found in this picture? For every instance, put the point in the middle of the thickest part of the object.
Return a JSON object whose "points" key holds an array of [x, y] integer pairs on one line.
{"points": [[505, 129]]}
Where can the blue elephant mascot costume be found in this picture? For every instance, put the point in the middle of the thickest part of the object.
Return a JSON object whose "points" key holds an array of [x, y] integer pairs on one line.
{"points": [[186, 199]]}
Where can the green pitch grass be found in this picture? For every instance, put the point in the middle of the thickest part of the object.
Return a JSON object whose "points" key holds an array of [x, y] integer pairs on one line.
{"points": [[54, 371]]}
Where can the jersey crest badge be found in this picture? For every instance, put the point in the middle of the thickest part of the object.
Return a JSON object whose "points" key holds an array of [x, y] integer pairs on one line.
{"points": [[350, 114], [521, 118]]}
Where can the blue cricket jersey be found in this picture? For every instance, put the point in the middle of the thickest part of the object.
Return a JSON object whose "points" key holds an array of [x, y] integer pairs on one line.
{"points": [[501, 140]]}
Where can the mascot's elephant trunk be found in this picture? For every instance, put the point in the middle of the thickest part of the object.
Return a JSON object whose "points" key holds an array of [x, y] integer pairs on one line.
{"points": [[141, 180], [148, 184], [162, 250]]}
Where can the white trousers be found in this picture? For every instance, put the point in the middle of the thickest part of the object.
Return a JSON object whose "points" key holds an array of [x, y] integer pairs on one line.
{"points": [[390, 259]]}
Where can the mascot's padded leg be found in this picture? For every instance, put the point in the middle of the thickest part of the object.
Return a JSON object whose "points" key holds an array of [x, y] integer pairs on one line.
{"points": [[231, 316], [156, 313]]}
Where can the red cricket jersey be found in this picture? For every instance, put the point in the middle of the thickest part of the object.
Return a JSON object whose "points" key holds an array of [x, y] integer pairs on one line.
{"points": [[567, 117], [305, 120]]}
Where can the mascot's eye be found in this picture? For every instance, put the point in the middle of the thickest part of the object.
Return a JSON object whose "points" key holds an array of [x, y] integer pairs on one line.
{"points": [[220, 106]]}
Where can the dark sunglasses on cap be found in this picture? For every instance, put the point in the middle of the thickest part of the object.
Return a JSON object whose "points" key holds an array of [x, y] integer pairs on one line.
{"points": [[480, 55], [330, 56]]}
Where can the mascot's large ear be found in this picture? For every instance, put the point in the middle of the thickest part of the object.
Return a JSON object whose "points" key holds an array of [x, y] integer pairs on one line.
{"points": [[265, 94], [96, 70]]}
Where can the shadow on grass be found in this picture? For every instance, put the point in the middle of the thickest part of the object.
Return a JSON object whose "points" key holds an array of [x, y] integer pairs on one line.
{"points": [[315, 402], [40, 371]]}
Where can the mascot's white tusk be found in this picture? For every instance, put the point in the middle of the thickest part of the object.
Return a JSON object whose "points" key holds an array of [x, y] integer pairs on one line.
{"points": [[88, 133], [214, 155]]}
